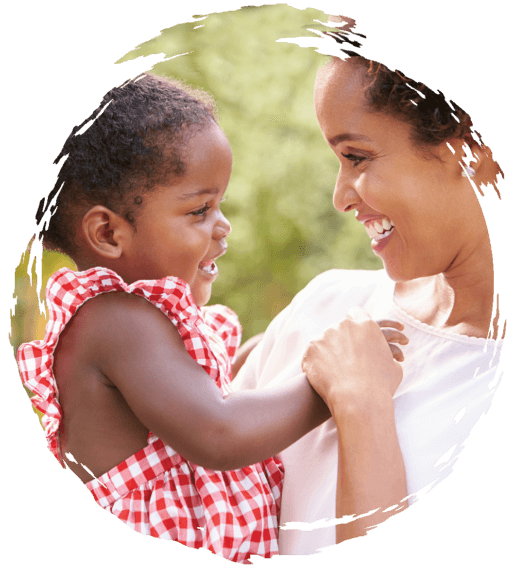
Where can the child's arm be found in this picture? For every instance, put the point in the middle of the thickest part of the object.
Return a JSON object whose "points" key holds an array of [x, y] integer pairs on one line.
{"points": [[142, 354]]}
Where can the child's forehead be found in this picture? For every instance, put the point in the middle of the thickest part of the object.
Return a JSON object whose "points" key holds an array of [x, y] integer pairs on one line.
{"points": [[191, 141], [205, 167]]}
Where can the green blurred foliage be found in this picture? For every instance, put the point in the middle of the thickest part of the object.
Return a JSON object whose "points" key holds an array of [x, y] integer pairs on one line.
{"points": [[285, 229]]}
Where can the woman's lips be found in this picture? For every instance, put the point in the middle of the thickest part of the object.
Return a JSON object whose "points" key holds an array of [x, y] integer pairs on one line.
{"points": [[380, 242]]}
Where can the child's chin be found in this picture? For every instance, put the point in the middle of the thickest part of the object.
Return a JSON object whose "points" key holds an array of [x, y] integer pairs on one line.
{"points": [[201, 295]]}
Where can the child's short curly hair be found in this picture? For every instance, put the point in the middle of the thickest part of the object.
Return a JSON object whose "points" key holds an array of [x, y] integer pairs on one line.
{"points": [[117, 154]]}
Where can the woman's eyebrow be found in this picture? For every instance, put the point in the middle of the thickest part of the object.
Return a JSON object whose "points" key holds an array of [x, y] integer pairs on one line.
{"points": [[346, 137]]}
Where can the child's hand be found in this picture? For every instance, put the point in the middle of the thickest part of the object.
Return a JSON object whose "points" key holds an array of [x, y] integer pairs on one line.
{"points": [[352, 360], [392, 331]]}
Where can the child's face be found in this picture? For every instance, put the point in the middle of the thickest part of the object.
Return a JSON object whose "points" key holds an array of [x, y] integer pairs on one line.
{"points": [[181, 230]]}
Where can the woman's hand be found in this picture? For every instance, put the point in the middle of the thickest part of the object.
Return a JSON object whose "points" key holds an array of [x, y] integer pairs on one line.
{"points": [[356, 358]]}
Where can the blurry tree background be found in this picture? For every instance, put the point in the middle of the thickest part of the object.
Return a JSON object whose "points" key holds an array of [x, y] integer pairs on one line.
{"points": [[285, 229]]}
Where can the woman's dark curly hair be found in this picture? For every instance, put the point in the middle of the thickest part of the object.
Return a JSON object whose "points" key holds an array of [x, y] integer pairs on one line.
{"points": [[433, 120], [118, 153]]}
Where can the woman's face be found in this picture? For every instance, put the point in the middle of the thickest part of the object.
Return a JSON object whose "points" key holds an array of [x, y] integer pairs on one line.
{"points": [[421, 214]]}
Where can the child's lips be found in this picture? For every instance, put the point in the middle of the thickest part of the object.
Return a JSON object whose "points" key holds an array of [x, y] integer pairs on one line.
{"points": [[212, 259], [208, 266]]}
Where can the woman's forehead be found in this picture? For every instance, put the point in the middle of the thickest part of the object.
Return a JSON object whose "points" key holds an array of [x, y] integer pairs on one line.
{"points": [[339, 87], [339, 80], [337, 67]]}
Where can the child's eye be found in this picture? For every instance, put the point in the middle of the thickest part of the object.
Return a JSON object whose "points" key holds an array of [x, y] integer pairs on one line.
{"points": [[205, 208], [353, 158], [201, 211]]}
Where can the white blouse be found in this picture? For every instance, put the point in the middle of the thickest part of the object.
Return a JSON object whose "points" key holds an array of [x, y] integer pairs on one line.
{"points": [[448, 384]]}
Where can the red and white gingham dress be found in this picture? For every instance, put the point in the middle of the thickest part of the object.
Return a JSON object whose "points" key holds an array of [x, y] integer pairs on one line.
{"points": [[156, 491]]}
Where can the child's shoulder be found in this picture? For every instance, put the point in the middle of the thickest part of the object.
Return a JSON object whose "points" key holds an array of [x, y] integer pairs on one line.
{"points": [[119, 312], [68, 290], [105, 326]]}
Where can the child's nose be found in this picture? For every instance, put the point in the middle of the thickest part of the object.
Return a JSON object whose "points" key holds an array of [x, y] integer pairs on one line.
{"points": [[222, 228]]}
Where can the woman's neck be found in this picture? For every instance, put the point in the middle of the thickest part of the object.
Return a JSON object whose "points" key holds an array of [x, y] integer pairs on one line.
{"points": [[458, 300]]}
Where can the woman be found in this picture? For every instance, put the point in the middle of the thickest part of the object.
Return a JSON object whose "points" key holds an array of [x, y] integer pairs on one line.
{"points": [[55, 483], [404, 173]]}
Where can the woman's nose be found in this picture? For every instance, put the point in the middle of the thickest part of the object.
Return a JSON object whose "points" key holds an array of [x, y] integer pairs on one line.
{"points": [[345, 197]]}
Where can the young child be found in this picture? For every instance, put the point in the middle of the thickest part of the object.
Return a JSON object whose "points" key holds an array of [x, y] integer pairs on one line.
{"points": [[119, 382]]}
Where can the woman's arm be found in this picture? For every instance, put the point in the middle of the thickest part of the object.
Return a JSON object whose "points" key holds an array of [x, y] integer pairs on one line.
{"points": [[353, 370], [370, 467]]}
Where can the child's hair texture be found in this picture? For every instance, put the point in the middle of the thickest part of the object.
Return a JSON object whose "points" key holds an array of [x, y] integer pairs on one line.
{"points": [[134, 142]]}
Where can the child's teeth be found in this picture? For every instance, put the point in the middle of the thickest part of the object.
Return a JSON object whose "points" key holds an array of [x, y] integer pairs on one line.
{"points": [[386, 224], [208, 266], [378, 227]]}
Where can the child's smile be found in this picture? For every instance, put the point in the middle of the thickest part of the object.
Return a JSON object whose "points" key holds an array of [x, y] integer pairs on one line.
{"points": [[181, 230]]}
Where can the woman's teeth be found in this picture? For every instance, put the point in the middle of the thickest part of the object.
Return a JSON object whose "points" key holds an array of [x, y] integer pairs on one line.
{"points": [[379, 228]]}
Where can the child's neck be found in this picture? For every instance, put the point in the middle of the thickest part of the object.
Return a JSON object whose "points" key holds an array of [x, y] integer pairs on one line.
{"points": [[84, 263]]}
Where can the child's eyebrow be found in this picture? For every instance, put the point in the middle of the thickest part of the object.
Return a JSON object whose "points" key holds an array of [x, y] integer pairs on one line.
{"points": [[197, 193]]}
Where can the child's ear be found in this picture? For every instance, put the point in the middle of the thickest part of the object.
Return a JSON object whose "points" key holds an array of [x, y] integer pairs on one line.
{"points": [[106, 233]]}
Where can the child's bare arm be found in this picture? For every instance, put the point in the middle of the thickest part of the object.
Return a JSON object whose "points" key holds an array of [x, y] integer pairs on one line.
{"points": [[142, 354]]}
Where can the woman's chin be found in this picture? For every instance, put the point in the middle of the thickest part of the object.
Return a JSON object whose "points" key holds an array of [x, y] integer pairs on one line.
{"points": [[397, 273]]}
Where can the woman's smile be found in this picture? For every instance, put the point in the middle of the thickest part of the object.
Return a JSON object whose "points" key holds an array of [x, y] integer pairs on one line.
{"points": [[384, 175]]}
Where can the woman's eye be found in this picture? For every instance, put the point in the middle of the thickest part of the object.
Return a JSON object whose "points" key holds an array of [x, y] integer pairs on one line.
{"points": [[353, 158]]}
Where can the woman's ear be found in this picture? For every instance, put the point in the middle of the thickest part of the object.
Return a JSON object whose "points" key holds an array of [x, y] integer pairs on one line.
{"points": [[485, 168], [105, 232]]}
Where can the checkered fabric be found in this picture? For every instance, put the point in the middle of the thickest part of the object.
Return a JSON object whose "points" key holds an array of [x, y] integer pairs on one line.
{"points": [[156, 491]]}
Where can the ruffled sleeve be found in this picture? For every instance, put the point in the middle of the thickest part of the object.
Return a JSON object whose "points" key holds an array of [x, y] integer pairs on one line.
{"points": [[225, 323], [68, 290]]}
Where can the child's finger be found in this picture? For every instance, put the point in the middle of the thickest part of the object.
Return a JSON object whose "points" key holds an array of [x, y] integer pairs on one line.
{"points": [[390, 323], [394, 336]]}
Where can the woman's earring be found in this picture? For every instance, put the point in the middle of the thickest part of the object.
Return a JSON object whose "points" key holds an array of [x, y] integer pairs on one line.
{"points": [[468, 172]]}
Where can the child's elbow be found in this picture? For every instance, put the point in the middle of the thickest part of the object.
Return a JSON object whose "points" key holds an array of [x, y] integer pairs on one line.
{"points": [[217, 452], [228, 457]]}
